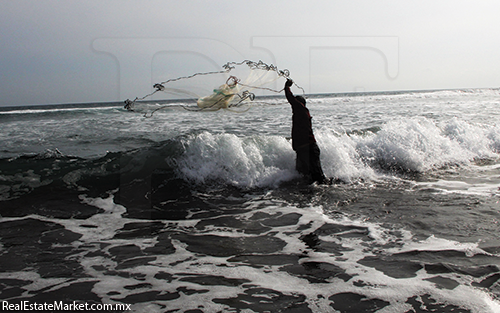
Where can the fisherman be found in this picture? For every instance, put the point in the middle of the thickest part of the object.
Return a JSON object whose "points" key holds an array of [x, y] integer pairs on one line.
{"points": [[303, 142]]}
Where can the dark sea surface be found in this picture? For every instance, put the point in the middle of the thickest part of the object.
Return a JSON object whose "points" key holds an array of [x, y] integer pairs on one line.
{"points": [[189, 211]]}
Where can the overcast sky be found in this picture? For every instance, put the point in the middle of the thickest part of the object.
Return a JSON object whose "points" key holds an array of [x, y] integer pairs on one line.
{"points": [[97, 51]]}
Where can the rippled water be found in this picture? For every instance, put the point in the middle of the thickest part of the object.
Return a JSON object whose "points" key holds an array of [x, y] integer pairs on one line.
{"points": [[204, 212]]}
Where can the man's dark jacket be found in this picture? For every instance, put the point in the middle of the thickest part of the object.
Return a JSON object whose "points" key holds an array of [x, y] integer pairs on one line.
{"points": [[302, 134]]}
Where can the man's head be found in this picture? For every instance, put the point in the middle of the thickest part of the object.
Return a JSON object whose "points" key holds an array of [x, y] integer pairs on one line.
{"points": [[301, 100]]}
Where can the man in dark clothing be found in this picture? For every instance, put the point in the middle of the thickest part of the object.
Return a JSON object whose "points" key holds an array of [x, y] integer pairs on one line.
{"points": [[303, 142]]}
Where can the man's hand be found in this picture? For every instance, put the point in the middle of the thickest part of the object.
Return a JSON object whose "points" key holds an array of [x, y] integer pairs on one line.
{"points": [[289, 83]]}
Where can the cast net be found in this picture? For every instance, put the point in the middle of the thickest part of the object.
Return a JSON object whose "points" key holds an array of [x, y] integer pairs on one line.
{"points": [[233, 88]]}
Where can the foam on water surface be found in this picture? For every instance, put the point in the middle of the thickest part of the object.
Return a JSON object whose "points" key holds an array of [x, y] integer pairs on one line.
{"points": [[186, 211], [271, 255]]}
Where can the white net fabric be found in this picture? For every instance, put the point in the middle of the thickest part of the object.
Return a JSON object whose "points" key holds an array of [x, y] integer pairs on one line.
{"points": [[240, 81]]}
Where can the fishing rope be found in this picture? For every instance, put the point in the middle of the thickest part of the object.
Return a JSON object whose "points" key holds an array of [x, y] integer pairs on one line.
{"points": [[232, 81]]}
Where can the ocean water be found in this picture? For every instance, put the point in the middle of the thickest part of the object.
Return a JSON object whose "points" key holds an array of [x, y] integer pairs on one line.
{"points": [[204, 212]]}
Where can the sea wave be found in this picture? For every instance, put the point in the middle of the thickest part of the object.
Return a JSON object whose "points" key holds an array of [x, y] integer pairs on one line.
{"points": [[255, 161], [397, 148], [420, 145]]}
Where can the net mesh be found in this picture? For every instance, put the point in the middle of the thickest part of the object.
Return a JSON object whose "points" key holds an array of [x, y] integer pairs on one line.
{"points": [[240, 82]]}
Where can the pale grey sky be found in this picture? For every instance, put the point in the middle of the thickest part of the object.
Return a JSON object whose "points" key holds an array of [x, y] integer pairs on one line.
{"points": [[71, 51]]}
